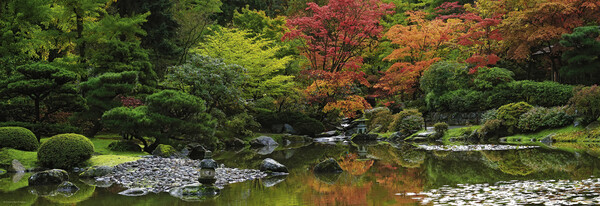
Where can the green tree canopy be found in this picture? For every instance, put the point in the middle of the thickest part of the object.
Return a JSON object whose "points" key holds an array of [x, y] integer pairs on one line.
{"points": [[256, 55], [583, 60]]}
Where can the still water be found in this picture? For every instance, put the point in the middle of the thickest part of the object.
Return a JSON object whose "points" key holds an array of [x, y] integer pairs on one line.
{"points": [[375, 174]]}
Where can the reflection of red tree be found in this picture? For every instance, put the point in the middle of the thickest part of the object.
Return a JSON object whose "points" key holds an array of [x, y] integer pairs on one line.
{"points": [[346, 191], [403, 181], [353, 166]]}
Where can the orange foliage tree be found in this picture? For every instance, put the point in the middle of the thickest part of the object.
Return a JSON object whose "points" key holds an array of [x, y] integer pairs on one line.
{"points": [[419, 45], [536, 26]]}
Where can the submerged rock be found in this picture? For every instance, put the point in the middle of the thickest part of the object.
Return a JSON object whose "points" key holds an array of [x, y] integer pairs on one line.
{"points": [[195, 192], [270, 165], [328, 166], [48, 177], [134, 192], [97, 171], [67, 187], [263, 141]]}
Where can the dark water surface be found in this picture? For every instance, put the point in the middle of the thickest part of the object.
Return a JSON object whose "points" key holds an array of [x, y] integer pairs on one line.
{"points": [[375, 174]]}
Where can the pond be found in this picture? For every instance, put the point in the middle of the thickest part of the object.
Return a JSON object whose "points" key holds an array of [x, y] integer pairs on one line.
{"points": [[377, 173]]}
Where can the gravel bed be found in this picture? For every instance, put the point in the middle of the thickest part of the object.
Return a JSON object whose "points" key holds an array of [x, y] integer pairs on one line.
{"points": [[163, 174], [479, 147], [540, 192]]}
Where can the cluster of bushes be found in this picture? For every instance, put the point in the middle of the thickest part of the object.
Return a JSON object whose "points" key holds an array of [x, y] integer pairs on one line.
{"points": [[43, 129], [406, 121], [302, 123], [449, 87], [522, 117]]}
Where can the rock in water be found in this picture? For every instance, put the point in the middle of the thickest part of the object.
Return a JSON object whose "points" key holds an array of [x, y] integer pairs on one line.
{"points": [[97, 171], [48, 177], [328, 166], [17, 167], [270, 165], [67, 187], [263, 141], [133, 192], [365, 137]]}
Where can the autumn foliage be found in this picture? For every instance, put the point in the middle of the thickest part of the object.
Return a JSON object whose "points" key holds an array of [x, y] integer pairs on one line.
{"points": [[333, 38]]}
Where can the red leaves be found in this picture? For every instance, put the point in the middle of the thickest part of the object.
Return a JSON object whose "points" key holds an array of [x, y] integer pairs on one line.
{"points": [[335, 35], [130, 102]]}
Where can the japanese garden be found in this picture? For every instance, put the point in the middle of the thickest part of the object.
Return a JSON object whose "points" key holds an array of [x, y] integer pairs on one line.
{"points": [[299, 102]]}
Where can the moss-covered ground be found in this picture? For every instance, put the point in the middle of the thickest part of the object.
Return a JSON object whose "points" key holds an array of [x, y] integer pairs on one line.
{"points": [[102, 154]]}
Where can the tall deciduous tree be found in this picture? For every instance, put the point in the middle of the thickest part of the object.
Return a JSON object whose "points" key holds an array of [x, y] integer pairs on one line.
{"points": [[334, 37], [419, 45], [193, 17], [537, 27]]}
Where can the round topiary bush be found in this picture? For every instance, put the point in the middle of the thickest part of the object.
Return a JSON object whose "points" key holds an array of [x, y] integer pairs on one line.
{"points": [[65, 151], [18, 138]]}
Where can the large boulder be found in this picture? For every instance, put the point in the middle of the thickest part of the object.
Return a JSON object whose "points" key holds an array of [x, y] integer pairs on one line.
{"points": [[328, 166], [163, 150], [263, 141], [194, 151], [97, 171], [235, 143], [270, 165], [48, 177]]}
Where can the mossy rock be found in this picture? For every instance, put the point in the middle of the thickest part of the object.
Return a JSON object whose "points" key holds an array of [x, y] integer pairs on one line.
{"points": [[65, 151], [18, 138], [163, 150]]}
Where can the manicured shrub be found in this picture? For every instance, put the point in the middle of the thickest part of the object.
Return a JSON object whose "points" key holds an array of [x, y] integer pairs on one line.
{"points": [[43, 129], [124, 146], [488, 78], [509, 114], [18, 138], [308, 126], [440, 128], [547, 94], [65, 151], [462, 100], [489, 115], [407, 121], [241, 125], [491, 128], [587, 102], [379, 119], [533, 119]]}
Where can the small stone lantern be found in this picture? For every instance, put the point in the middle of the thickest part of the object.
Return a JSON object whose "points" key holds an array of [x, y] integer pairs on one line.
{"points": [[207, 169], [361, 128]]}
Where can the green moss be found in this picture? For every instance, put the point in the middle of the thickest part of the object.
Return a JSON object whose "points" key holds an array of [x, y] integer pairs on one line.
{"points": [[544, 133], [110, 160], [8, 185], [459, 132], [28, 159], [164, 150]]}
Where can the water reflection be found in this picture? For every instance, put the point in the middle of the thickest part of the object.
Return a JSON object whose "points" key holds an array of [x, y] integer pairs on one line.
{"points": [[375, 173]]}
